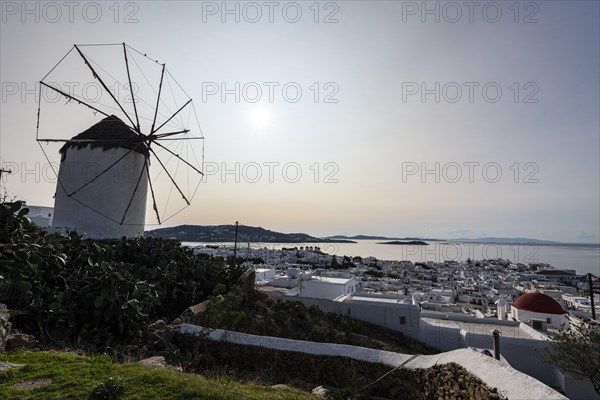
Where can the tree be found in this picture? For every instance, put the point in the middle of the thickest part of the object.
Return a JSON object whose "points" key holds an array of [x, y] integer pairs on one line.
{"points": [[375, 273], [347, 263], [577, 350], [334, 263]]}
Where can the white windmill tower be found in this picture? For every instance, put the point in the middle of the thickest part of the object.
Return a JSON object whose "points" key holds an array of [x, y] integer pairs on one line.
{"points": [[105, 171], [113, 205]]}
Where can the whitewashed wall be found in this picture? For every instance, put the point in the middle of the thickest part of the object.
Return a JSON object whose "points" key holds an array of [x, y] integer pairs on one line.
{"points": [[108, 195], [509, 382], [323, 289], [526, 316], [520, 351]]}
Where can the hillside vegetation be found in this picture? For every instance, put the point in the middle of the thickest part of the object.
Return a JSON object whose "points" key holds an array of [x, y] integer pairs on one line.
{"points": [[226, 233], [97, 294], [258, 314], [117, 297]]}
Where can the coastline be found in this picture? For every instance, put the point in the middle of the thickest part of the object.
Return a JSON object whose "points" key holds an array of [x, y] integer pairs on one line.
{"points": [[583, 259]]}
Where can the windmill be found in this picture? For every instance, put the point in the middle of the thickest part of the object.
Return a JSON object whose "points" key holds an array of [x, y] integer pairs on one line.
{"points": [[144, 134]]}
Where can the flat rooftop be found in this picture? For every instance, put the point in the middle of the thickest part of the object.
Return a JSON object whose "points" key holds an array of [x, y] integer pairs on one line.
{"points": [[378, 299], [483, 327], [328, 279]]}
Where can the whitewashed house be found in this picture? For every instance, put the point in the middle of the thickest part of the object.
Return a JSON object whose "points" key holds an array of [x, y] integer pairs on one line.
{"points": [[40, 215], [264, 273], [324, 287]]}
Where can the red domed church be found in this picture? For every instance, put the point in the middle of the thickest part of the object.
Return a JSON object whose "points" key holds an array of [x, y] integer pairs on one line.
{"points": [[538, 310]]}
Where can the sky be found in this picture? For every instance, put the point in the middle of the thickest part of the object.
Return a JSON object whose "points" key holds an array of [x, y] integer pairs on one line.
{"points": [[436, 119]]}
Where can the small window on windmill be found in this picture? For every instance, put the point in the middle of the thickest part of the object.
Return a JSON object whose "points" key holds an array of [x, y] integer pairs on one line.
{"points": [[402, 320]]}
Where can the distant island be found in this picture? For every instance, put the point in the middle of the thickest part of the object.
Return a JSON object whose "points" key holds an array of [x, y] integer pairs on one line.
{"points": [[411, 242], [251, 234], [226, 233], [501, 240], [370, 237], [490, 240]]}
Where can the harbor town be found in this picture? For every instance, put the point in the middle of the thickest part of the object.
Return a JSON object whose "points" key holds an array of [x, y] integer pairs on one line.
{"points": [[448, 305]]}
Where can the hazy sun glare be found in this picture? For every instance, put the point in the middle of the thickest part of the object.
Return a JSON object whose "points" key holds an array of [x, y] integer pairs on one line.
{"points": [[260, 117]]}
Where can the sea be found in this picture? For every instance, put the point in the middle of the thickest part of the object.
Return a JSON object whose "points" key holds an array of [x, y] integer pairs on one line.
{"points": [[583, 258]]}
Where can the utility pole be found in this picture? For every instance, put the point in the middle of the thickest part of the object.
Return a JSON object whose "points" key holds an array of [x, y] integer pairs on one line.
{"points": [[592, 295], [235, 245]]}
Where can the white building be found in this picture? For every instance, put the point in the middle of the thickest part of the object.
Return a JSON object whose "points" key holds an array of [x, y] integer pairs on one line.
{"points": [[520, 345], [40, 215], [263, 273], [581, 304], [503, 308], [538, 310], [102, 182], [323, 287], [435, 295], [559, 276], [393, 312]]}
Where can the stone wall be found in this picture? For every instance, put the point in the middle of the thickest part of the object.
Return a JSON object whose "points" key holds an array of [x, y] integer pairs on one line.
{"points": [[4, 326], [448, 381], [271, 359]]}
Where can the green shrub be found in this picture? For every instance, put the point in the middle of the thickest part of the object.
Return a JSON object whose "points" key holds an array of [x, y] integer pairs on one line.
{"points": [[227, 310], [97, 293], [110, 389]]}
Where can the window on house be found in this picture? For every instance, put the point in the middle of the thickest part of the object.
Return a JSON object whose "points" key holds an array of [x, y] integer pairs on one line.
{"points": [[548, 320], [402, 320]]}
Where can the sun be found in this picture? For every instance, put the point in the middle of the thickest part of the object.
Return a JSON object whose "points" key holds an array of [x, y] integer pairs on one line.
{"points": [[260, 117]]}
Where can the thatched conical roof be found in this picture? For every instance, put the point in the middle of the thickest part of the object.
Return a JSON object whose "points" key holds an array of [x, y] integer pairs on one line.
{"points": [[109, 133]]}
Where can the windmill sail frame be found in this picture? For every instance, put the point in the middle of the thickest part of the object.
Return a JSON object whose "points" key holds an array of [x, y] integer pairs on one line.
{"points": [[145, 141]]}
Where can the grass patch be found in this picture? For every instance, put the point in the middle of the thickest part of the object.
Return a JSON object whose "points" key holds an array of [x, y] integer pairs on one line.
{"points": [[75, 377]]}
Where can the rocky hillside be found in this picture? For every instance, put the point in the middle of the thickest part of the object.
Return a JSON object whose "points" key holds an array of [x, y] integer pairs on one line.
{"points": [[226, 233]]}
